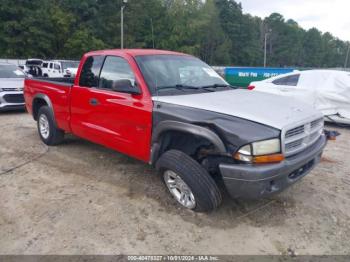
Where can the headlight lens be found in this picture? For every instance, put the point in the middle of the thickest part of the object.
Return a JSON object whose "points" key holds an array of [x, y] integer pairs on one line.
{"points": [[244, 154], [266, 147], [1, 89], [267, 151], [246, 150]]}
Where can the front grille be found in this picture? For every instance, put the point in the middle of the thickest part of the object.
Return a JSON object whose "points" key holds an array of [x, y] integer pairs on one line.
{"points": [[295, 131], [300, 137], [14, 98], [294, 144]]}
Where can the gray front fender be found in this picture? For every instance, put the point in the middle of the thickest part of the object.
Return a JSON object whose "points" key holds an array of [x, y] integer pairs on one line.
{"points": [[169, 125]]}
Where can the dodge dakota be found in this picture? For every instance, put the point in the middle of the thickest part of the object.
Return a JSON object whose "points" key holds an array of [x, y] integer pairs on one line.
{"points": [[173, 111]]}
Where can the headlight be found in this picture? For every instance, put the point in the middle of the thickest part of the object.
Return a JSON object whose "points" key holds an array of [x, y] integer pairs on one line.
{"points": [[266, 147], [1, 89], [267, 151]]}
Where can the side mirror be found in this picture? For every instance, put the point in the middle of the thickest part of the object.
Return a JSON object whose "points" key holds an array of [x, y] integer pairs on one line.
{"points": [[125, 86]]}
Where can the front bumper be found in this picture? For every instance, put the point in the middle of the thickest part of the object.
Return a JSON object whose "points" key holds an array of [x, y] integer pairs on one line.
{"points": [[256, 181], [11, 100]]}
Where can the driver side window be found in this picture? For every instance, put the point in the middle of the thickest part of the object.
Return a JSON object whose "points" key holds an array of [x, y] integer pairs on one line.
{"points": [[115, 69]]}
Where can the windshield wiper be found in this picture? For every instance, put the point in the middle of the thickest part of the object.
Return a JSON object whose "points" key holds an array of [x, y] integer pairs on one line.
{"points": [[178, 87], [184, 87], [218, 85]]}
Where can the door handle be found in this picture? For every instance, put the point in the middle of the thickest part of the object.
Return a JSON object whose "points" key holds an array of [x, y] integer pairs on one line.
{"points": [[94, 102]]}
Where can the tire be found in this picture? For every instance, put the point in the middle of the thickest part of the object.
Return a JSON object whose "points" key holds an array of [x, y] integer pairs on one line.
{"points": [[206, 194], [54, 135]]}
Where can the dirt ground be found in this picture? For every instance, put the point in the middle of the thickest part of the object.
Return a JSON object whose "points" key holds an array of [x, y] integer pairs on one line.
{"points": [[80, 198]]}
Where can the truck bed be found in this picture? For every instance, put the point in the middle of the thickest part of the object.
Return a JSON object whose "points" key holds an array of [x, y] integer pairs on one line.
{"points": [[56, 91]]}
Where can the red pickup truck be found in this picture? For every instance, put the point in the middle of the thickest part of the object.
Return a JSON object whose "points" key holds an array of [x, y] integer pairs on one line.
{"points": [[175, 112]]}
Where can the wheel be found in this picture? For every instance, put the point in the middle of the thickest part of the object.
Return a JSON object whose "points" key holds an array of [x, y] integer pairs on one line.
{"points": [[48, 131], [188, 182]]}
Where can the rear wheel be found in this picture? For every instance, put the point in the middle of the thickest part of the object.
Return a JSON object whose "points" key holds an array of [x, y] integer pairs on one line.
{"points": [[48, 131], [188, 182]]}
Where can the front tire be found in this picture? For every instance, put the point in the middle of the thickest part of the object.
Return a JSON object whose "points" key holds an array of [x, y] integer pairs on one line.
{"points": [[48, 131], [188, 182]]}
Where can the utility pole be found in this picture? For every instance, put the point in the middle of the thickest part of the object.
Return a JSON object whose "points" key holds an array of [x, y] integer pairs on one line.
{"points": [[152, 32], [124, 2], [347, 57], [265, 44]]}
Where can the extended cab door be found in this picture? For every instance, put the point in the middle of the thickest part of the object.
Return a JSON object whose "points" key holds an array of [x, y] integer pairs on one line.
{"points": [[121, 121]]}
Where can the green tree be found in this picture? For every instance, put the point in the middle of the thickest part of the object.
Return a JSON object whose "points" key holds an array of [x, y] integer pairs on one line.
{"points": [[312, 48], [215, 30], [81, 42], [284, 40], [214, 44]]}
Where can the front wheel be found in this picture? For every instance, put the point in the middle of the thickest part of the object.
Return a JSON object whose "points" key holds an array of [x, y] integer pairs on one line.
{"points": [[48, 131], [188, 182]]}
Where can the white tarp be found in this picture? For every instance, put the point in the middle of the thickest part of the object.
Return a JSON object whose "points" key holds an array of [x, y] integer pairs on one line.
{"points": [[331, 91], [326, 90]]}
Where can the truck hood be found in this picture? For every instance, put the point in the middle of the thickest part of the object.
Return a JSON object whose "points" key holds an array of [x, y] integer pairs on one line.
{"points": [[268, 109], [12, 83]]}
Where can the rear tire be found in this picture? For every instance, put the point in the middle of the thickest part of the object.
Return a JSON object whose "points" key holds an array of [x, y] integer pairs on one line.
{"points": [[48, 131], [173, 164]]}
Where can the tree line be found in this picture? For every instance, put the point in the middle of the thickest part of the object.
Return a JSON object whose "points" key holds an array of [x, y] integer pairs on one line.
{"points": [[217, 31]]}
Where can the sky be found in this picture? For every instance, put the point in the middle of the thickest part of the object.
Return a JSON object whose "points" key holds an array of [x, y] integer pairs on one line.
{"points": [[326, 15]]}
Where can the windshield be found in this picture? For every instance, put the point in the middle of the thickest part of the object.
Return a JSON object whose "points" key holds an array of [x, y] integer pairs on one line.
{"points": [[70, 64], [164, 71], [10, 71]]}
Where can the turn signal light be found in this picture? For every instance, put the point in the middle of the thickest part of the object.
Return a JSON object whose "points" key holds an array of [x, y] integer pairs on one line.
{"points": [[275, 158]]}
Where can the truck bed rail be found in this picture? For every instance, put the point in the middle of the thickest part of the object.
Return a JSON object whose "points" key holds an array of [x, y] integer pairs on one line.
{"points": [[68, 81]]}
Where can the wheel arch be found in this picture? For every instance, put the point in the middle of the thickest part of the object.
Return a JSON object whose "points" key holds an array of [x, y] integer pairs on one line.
{"points": [[39, 101], [176, 128]]}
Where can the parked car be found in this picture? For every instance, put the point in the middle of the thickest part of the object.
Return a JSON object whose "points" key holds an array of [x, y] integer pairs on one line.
{"points": [[59, 68], [325, 90], [175, 112], [11, 87]]}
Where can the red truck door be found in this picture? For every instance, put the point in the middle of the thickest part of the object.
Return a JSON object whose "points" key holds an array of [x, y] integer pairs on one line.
{"points": [[121, 121]]}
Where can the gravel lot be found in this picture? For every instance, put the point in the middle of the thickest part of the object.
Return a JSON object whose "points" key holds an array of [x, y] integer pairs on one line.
{"points": [[80, 198]]}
